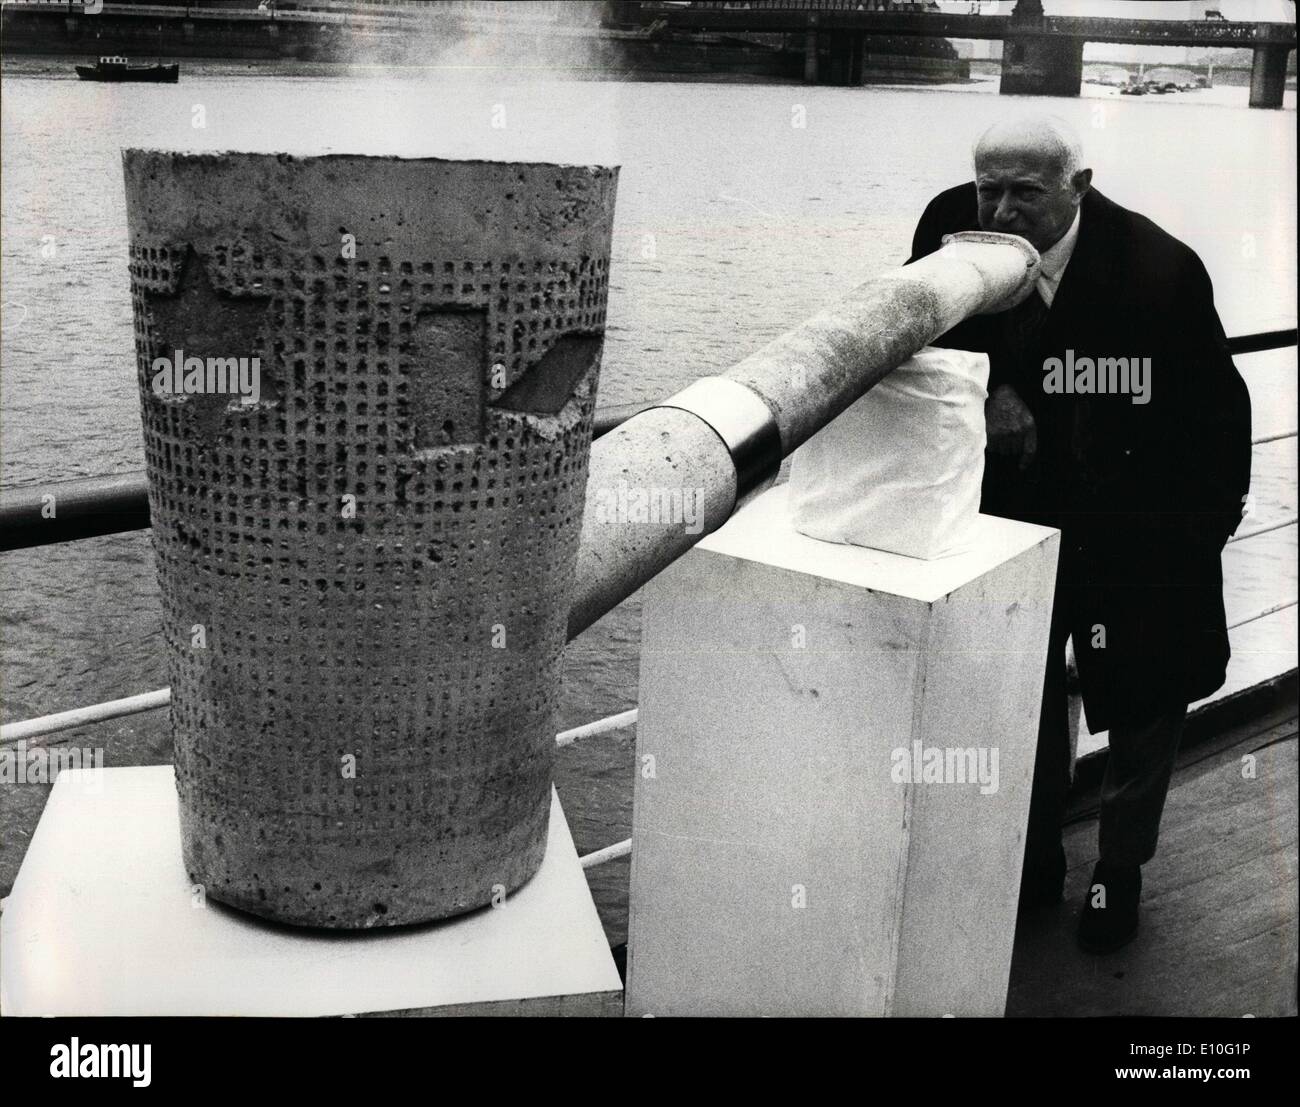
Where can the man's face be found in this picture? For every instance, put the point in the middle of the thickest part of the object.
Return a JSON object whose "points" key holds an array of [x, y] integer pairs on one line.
{"points": [[1024, 192]]}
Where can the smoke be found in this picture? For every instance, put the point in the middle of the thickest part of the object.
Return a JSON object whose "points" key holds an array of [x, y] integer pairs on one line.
{"points": [[476, 39], [495, 80]]}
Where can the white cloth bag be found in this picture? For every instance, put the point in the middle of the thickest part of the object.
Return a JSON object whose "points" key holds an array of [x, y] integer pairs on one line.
{"points": [[900, 469]]}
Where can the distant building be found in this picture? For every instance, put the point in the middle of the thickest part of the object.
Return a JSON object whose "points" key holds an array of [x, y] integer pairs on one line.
{"points": [[978, 49]]}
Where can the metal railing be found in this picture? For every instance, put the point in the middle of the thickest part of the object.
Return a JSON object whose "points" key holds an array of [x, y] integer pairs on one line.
{"points": [[88, 507], [64, 511], [114, 504]]}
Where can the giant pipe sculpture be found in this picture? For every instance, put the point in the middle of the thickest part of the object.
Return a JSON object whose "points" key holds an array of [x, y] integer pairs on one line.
{"points": [[725, 436], [367, 563]]}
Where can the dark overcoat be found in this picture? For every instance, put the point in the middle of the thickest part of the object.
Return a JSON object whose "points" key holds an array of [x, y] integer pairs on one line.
{"points": [[1145, 494]]}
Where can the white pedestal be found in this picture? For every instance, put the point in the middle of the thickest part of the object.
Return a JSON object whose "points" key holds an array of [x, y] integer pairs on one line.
{"points": [[778, 865], [101, 921]]}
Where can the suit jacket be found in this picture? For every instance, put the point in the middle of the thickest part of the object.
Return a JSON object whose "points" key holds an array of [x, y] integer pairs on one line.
{"points": [[1145, 494]]}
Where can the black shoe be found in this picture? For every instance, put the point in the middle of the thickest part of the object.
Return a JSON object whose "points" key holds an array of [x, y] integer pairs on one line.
{"points": [[1110, 908], [1042, 883]]}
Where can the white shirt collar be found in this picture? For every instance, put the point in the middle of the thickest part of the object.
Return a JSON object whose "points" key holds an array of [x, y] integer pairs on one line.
{"points": [[1057, 257]]}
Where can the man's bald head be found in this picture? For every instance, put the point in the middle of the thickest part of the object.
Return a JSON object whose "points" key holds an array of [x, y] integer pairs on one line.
{"points": [[1049, 136], [1031, 178]]}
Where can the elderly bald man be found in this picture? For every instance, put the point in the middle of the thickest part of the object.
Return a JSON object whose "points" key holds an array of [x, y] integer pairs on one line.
{"points": [[1115, 414]]}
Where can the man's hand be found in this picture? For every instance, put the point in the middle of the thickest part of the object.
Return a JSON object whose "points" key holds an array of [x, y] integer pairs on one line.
{"points": [[1011, 428]]}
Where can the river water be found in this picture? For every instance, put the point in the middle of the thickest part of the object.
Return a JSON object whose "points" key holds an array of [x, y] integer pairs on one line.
{"points": [[742, 209]]}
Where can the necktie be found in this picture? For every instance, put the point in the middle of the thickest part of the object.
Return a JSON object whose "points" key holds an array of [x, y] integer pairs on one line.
{"points": [[1025, 325], [1065, 431]]}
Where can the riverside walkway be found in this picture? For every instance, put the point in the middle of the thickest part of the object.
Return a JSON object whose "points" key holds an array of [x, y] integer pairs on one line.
{"points": [[1218, 934], [1219, 930]]}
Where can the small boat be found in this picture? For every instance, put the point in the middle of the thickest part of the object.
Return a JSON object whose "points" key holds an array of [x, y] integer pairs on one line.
{"points": [[119, 69]]}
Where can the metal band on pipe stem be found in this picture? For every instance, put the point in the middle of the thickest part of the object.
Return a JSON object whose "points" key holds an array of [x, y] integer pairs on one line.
{"points": [[740, 417]]}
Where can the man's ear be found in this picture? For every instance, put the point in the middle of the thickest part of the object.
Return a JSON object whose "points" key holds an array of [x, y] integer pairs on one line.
{"points": [[1081, 182]]}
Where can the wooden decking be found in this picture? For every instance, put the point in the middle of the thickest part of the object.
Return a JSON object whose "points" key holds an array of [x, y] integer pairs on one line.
{"points": [[1219, 905]]}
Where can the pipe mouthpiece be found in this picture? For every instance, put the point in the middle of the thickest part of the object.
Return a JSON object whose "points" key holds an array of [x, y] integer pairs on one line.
{"points": [[962, 243]]}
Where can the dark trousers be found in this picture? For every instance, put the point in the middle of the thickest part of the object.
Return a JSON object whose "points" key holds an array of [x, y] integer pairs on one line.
{"points": [[1139, 767]]}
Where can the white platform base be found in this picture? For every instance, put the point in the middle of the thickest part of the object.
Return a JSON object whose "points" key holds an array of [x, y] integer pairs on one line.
{"points": [[102, 921], [782, 862]]}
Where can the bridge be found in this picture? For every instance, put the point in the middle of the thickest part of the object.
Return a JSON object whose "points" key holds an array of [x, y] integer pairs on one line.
{"points": [[1043, 55]]}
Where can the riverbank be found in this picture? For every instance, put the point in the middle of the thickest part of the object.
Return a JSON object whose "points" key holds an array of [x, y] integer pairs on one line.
{"points": [[456, 41]]}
